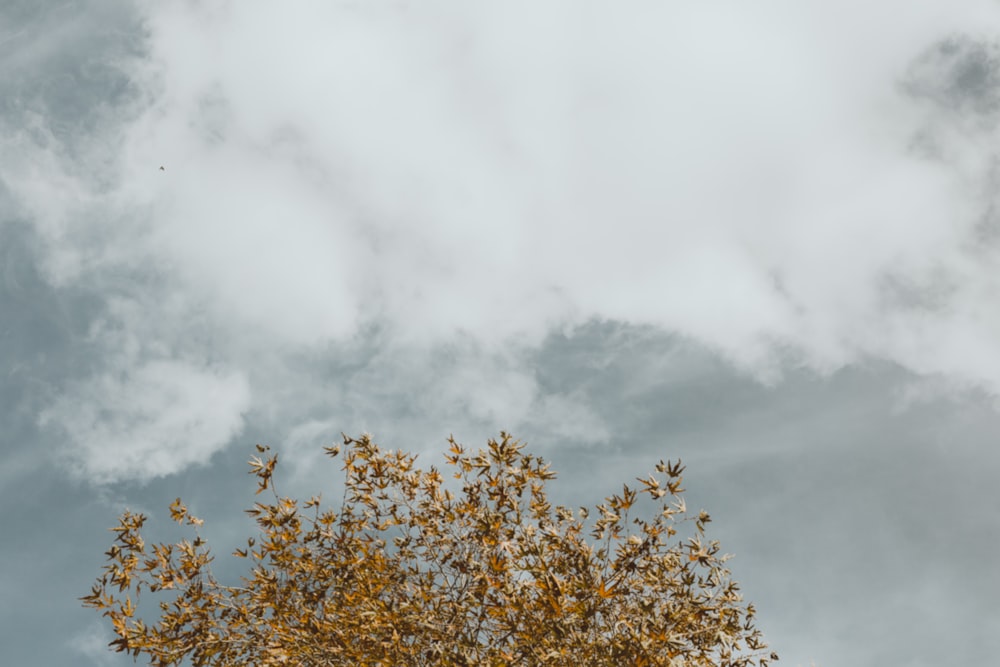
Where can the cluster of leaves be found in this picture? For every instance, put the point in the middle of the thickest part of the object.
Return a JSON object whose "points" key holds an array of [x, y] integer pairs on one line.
{"points": [[417, 570]]}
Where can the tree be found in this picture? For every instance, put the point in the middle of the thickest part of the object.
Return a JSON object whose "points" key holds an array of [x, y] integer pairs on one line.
{"points": [[414, 569]]}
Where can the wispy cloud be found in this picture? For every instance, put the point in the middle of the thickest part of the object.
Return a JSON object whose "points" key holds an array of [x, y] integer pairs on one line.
{"points": [[149, 420]]}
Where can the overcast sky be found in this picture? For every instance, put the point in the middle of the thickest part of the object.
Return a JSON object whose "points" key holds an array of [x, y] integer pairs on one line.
{"points": [[760, 237]]}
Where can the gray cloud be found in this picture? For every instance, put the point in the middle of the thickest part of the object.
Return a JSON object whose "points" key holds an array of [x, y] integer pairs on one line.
{"points": [[960, 73], [858, 505]]}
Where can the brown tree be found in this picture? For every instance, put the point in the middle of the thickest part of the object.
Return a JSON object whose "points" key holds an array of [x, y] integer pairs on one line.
{"points": [[414, 569]]}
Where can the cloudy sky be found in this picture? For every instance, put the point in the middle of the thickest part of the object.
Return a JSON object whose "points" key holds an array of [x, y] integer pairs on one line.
{"points": [[760, 237]]}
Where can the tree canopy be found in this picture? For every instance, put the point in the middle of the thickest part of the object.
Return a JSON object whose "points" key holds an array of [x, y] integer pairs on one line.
{"points": [[415, 569]]}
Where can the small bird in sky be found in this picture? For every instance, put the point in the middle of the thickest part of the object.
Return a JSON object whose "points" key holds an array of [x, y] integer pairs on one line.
{"points": [[161, 168]]}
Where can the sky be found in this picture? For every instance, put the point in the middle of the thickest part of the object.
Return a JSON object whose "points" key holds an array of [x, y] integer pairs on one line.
{"points": [[762, 238]]}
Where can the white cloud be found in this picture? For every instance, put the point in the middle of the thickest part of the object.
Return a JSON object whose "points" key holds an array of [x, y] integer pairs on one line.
{"points": [[149, 420], [481, 172], [741, 176]]}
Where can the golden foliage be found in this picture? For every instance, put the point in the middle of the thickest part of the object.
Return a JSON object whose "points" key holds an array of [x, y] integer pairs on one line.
{"points": [[408, 572]]}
